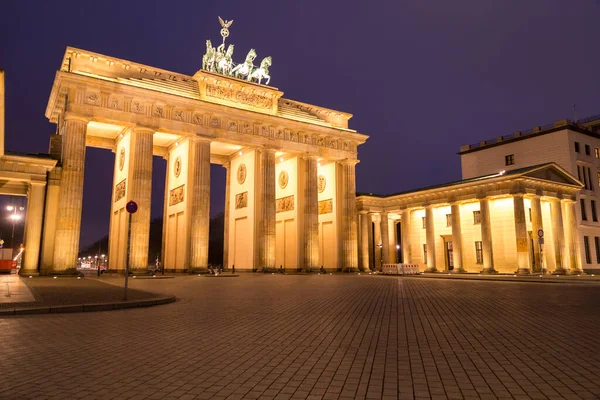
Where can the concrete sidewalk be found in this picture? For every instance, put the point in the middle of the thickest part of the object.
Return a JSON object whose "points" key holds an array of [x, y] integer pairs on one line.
{"points": [[592, 279], [69, 294]]}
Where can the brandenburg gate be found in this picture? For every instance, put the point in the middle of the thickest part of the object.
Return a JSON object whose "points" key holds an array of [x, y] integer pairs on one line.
{"points": [[290, 187]]}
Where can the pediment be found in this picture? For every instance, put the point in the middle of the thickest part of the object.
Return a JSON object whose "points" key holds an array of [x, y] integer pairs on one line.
{"points": [[553, 173]]}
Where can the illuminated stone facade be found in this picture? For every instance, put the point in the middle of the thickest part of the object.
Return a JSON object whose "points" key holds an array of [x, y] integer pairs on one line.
{"points": [[283, 159], [484, 224]]}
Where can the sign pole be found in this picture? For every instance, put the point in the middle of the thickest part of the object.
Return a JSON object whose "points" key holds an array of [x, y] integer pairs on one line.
{"points": [[127, 259], [131, 208]]}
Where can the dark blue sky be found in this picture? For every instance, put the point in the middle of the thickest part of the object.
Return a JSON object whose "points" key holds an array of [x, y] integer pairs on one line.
{"points": [[422, 77]]}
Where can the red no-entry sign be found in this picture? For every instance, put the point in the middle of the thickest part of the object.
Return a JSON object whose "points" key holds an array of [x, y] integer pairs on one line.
{"points": [[131, 207]]}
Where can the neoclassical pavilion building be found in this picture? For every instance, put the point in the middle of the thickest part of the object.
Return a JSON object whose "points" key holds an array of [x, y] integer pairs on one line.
{"points": [[483, 224], [290, 191]]}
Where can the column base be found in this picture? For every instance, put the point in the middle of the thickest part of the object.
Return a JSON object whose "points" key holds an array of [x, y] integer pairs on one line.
{"points": [[577, 272], [523, 271], [31, 272], [560, 271], [432, 269], [487, 271]]}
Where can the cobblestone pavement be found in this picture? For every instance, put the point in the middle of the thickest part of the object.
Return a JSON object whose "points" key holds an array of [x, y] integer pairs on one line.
{"points": [[273, 336]]}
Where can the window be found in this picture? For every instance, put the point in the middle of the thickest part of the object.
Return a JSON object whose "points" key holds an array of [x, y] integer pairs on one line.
{"points": [[597, 243], [479, 252], [586, 242], [576, 147], [587, 149], [448, 219], [598, 178], [597, 151], [589, 171], [579, 173], [594, 215], [583, 214], [423, 222], [509, 159], [425, 254], [530, 214], [476, 217]]}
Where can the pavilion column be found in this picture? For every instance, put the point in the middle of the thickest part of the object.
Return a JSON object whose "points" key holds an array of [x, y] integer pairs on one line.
{"points": [[523, 262], [200, 202], [405, 233], [377, 248], [558, 234], [140, 191], [536, 225], [68, 221], [349, 216], [393, 241], [456, 238], [574, 248], [364, 241], [266, 231], [311, 214], [371, 263], [227, 167], [385, 239], [486, 237], [430, 238], [33, 222]]}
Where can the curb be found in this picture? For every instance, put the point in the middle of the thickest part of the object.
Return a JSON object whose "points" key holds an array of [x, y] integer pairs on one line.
{"points": [[507, 279], [91, 307]]}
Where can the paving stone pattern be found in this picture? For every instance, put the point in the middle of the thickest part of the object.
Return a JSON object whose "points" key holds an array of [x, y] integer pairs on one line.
{"points": [[273, 336]]}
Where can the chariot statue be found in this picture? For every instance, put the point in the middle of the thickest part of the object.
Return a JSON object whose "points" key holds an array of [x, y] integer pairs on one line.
{"points": [[221, 61], [262, 72], [245, 69]]}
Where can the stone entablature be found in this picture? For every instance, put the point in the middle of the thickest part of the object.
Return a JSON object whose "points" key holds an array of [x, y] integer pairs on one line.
{"points": [[96, 87], [474, 189]]}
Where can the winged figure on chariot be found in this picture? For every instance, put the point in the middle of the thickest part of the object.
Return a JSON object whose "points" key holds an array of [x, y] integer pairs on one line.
{"points": [[219, 60]]}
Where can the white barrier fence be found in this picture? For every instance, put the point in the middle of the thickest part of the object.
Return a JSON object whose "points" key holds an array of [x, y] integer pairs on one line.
{"points": [[400, 269]]}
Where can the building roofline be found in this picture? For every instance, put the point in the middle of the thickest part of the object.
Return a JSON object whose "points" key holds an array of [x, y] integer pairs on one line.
{"points": [[502, 175], [537, 131]]}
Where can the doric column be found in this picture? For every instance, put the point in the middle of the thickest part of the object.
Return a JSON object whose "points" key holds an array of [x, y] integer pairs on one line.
{"points": [[536, 225], [405, 233], [364, 241], [33, 222], [140, 185], [50, 214], [456, 238], [523, 262], [311, 214], [558, 234], [574, 248], [430, 238], [378, 244], [371, 263], [385, 238], [266, 231], [165, 216], [227, 166], [200, 201], [486, 237], [349, 217], [68, 224]]}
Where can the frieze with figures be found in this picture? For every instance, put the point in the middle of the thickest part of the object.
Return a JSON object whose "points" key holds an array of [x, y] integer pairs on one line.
{"points": [[251, 99], [326, 206], [241, 200], [176, 195], [120, 190], [284, 204]]}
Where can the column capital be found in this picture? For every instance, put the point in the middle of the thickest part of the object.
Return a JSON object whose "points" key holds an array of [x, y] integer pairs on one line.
{"points": [[226, 164], [70, 116], [142, 129], [363, 212], [348, 161], [200, 139], [310, 157]]}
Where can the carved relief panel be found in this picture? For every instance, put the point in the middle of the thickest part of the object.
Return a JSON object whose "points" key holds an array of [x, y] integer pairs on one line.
{"points": [[325, 206], [176, 195], [120, 190], [284, 204], [241, 200]]}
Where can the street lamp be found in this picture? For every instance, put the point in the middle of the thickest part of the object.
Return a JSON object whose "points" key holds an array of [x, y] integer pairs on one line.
{"points": [[380, 255], [14, 216], [398, 253]]}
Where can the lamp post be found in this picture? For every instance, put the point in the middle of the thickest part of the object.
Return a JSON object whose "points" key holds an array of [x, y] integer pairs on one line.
{"points": [[14, 216], [380, 256], [398, 254]]}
